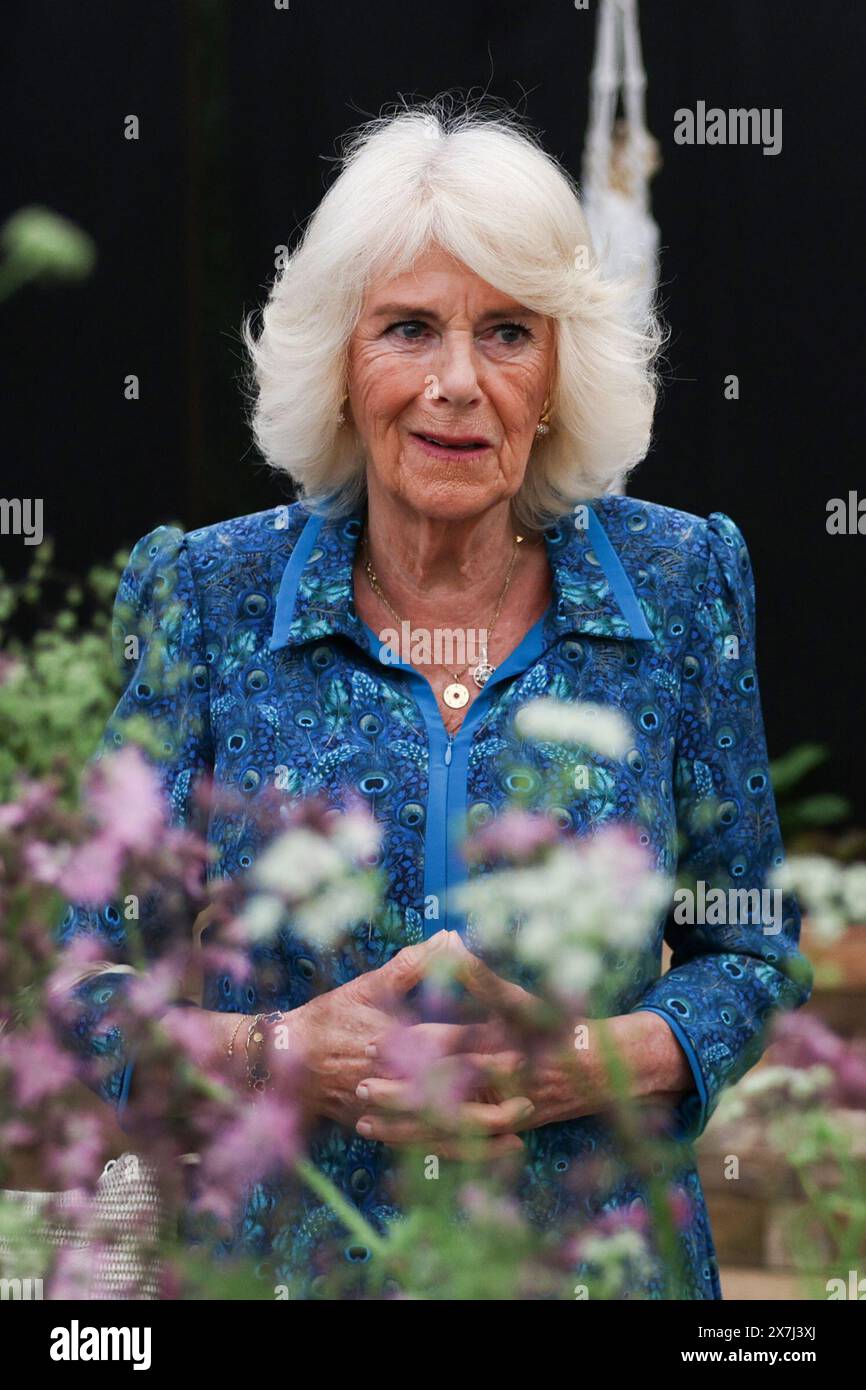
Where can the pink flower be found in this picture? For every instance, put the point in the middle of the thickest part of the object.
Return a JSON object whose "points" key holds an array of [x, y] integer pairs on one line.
{"points": [[87, 873], [12, 814], [619, 847], [437, 1081], [516, 836], [40, 1067], [33, 800], [15, 1134], [226, 960], [123, 792], [152, 993], [489, 1207], [190, 1030], [92, 872], [852, 1079], [192, 854], [262, 1138], [72, 963], [681, 1207], [77, 1162], [633, 1217], [802, 1040]]}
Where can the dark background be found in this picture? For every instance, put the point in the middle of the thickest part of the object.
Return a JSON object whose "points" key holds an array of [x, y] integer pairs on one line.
{"points": [[240, 107]]}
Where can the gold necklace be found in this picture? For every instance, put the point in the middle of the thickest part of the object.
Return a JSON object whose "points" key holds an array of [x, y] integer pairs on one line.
{"points": [[455, 695]]}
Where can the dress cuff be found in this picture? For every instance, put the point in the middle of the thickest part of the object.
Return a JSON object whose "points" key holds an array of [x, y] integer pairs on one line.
{"points": [[692, 1110]]}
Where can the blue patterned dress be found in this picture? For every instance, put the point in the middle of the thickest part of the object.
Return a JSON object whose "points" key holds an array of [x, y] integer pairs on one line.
{"points": [[264, 664]]}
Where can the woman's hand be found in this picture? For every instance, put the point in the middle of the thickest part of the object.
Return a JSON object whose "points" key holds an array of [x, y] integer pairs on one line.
{"points": [[568, 1077], [330, 1036], [328, 1046], [433, 1110]]}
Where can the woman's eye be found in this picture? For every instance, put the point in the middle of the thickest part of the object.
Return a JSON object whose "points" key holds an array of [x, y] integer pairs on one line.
{"points": [[518, 329], [412, 331], [410, 337]]}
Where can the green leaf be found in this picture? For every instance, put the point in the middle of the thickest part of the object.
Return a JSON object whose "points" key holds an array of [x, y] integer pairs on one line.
{"points": [[786, 771], [824, 809]]}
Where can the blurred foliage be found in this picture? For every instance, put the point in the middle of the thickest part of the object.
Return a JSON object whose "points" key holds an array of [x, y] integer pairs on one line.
{"points": [[56, 690], [810, 821], [39, 244], [58, 687]]}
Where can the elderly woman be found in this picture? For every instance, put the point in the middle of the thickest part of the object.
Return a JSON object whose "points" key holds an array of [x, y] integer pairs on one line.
{"points": [[457, 392]]}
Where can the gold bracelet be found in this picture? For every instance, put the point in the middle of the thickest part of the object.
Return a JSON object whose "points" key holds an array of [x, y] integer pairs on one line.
{"points": [[257, 1073], [231, 1051]]}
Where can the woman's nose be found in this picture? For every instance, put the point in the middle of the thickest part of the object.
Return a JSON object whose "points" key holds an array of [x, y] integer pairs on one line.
{"points": [[455, 370]]}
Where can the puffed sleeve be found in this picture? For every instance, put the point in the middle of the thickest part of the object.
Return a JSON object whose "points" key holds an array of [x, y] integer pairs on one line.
{"points": [[158, 646], [726, 978]]}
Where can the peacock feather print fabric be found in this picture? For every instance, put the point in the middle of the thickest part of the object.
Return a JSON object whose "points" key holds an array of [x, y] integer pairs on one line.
{"points": [[263, 670]]}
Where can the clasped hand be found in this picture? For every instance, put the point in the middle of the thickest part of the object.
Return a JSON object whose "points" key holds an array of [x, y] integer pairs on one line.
{"points": [[461, 1088]]}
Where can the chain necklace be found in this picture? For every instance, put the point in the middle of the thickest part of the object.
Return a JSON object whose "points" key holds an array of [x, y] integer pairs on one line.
{"points": [[455, 695]]}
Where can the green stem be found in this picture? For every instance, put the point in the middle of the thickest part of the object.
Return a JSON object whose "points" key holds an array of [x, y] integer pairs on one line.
{"points": [[349, 1215], [661, 1217]]}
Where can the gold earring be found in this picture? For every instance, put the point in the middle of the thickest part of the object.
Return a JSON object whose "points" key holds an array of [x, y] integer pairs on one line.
{"points": [[341, 419], [543, 426]]}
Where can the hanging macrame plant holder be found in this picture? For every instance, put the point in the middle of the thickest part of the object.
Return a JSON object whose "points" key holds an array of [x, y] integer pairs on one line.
{"points": [[620, 157]]}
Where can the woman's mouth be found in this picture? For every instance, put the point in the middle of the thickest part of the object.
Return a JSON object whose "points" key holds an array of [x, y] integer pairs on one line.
{"points": [[446, 446]]}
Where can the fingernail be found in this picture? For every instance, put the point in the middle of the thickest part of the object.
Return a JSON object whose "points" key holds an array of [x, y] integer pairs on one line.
{"points": [[528, 1109], [364, 1127], [362, 1091], [371, 1050]]}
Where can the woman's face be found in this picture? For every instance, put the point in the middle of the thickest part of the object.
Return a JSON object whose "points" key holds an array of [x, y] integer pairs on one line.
{"points": [[439, 355]]}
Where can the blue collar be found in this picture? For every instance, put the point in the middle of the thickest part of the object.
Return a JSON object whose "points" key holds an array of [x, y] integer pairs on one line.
{"points": [[591, 591]]}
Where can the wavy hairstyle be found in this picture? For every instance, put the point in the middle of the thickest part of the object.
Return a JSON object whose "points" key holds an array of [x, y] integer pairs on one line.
{"points": [[476, 183]]}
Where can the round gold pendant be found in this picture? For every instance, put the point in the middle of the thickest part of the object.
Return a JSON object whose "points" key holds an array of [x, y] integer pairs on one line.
{"points": [[455, 695]]}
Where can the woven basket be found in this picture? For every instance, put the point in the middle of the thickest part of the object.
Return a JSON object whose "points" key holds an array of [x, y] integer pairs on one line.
{"points": [[112, 1248]]}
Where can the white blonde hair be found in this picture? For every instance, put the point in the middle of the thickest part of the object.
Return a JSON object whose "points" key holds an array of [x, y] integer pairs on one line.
{"points": [[477, 184]]}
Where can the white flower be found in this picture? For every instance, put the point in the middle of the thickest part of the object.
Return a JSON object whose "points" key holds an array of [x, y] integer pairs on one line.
{"points": [[592, 726], [813, 877], [298, 863], [827, 924], [854, 893], [811, 1081], [758, 1083], [324, 919], [357, 836], [587, 898], [833, 894], [319, 881], [611, 1252], [261, 916], [800, 1083]]}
